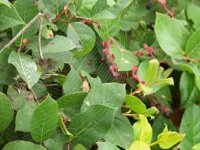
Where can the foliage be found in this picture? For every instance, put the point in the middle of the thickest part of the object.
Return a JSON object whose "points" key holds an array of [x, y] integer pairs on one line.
{"points": [[112, 74]]}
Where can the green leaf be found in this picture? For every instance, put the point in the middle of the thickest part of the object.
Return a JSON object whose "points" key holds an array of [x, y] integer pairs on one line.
{"points": [[40, 90], [5, 2], [44, 120], [92, 125], [23, 117], [151, 111], [171, 35], [63, 127], [109, 17], [159, 123], [189, 91], [164, 95], [72, 83], [9, 17], [26, 67], [22, 145], [70, 104], [102, 3], [58, 44], [60, 59], [142, 130], [55, 6], [123, 58], [190, 125], [121, 132], [79, 147], [52, 46], [108, 94], [7, 71], [17, 99], [167, 72], [196, 147], [82, 36], [56, 141], [152, 70], [135, 104], [114, 11], [193, 45], [141, 72], [5, 111], [106, 145], [152, 75], [109, 28], [193, 11], [86, 7], [139, 145], [27, 14], [167, 139], [93, 81], [157, 85]]}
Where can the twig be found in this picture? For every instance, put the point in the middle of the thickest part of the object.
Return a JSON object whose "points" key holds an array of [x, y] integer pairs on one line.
{"points": [[130, 115], [41, 16], [135, 92], [20, 32], [68, 146], [154, 143], [34, 96]]}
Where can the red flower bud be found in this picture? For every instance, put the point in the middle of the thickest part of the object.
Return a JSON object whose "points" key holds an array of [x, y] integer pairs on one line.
{"points": [[115, 73], [134, 69], [106, 43], [139, 53], [142, 82], [102, 59], [166, 109], [115, 67], [112, 58], [106, 51], [99, 26], [145, 46], [150, 50]]}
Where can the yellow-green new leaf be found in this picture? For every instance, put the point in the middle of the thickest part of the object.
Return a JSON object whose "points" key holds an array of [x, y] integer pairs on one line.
{"points": [[152, 70], [196, 147], [167, 139], [139, 145], [142, 130]]}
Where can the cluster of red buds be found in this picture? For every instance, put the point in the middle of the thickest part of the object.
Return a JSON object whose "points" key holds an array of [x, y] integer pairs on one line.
{"points": [[147, 48], [113, 68]]}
